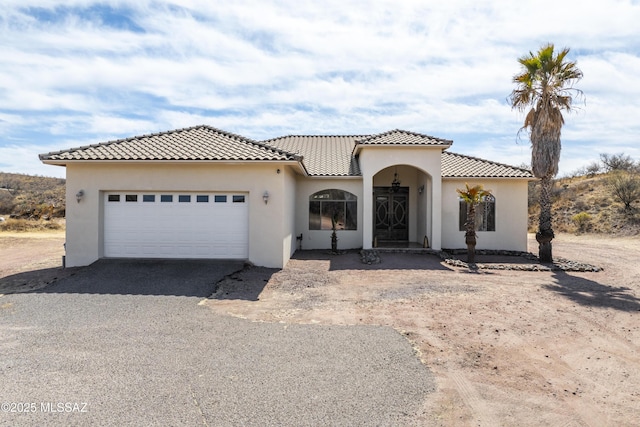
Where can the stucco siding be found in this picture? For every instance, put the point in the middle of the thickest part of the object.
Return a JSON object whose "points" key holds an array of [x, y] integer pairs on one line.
{"points": [[427, 163], [424, 205], [511, 214], [84, 242], [321, 239], [289, 219]]}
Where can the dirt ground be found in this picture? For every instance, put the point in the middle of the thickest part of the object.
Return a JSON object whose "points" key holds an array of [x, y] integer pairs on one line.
{"points": [[30, 260], [507, 347]]}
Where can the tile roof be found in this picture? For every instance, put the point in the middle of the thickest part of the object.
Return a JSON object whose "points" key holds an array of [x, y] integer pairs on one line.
{"points": [[461, 166], [323, 155], [334, 155], [403, 137], [331, 155], [194, 143]]}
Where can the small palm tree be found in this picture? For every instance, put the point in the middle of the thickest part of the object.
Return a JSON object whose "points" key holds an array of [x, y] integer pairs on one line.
{"points": [[546, 85], [334, 236], [472, 196]]}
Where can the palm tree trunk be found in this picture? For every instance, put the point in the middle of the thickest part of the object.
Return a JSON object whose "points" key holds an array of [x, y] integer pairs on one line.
{"points": [[334, 241], [545, 234], [471, 249], [470, 235]]}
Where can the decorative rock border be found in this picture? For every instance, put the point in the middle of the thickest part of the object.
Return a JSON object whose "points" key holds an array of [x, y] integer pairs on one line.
{"points": [[559, 264], [371, 256]]}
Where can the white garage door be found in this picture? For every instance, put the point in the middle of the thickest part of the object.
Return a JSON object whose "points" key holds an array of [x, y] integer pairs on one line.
{"points": [[176, 225]]}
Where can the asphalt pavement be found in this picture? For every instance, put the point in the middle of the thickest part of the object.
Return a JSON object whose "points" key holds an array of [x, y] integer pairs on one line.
{"points": [[126, 343]]}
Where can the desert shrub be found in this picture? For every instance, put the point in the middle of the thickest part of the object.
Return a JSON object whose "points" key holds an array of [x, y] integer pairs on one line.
{"points": [[6, 201], [581, 220], [625, 187], [575, 173], [617, 162], [592, 169]]}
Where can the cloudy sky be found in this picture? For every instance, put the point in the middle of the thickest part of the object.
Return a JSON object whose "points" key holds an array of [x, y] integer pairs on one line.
{"points": [[78, 72]]}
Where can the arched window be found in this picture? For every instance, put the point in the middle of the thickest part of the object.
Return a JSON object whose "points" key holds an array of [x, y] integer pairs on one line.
{"points": [[329, 207], [485, 214]]}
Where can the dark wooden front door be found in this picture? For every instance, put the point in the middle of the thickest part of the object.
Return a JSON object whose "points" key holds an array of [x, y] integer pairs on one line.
{"points": [[391, 214]]}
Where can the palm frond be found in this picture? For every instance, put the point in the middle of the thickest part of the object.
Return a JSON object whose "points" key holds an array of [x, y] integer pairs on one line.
{"points": [[545, 86], [473, 195]]}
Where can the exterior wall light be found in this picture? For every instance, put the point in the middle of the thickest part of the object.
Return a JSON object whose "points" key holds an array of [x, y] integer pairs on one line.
{"points": [[265, 197], [421, 189], [395, 184], [79, 195]]}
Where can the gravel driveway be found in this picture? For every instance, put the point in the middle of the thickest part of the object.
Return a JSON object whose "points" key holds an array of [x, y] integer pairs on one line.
{"points": [[126, 343]]}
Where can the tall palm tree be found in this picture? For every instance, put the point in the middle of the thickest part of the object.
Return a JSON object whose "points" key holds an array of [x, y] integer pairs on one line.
{"points": [[545, 84], [472, 196]]}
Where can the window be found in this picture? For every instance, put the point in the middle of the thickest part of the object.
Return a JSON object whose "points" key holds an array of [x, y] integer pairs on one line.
{"points": [[329, 206], [485, 214], [238, 199], [148, 198], [166, 198], [220, 199], [202, 199], [114, 197], [184, 198], [131, 198]]}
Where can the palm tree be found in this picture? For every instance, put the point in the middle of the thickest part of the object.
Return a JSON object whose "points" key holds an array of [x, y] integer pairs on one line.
{"points": [[472, 196], [546, 85]]}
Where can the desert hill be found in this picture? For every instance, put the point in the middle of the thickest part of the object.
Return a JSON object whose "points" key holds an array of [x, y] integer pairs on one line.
{"points": [[587, 204], [581, 203], [29, 196]]}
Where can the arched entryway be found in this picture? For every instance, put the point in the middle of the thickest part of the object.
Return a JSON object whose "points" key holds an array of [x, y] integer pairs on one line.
{"points": [[401, 215]]}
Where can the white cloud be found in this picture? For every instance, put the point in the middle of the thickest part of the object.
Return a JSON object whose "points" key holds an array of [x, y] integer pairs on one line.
{"points": [[24, 159], [265, 68]]}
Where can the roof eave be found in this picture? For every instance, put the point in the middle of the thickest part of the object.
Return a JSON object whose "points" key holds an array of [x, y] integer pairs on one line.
{"points": [[54, 162], [64, 162], [336, 176], [301, 167], [531, 178], [358, 147]]}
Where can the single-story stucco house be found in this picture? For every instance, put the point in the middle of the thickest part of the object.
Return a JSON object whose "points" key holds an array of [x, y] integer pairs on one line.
{"points": [[201, 192]]}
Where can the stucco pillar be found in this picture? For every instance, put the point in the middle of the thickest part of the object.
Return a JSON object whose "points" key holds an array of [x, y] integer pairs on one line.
{"points": [[436, 210], [367, 212]]}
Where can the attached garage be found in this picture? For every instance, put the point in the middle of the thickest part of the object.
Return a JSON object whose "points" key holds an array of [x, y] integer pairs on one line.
{"points": [[176, 225], [186, 194]]}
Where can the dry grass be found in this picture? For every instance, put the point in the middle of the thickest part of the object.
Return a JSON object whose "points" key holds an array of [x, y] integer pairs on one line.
{"points": [[24, 225]]}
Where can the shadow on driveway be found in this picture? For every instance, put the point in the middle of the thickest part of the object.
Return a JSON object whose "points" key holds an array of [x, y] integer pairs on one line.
{"points": [[350, 260], [33, 280], [190, 278]]}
